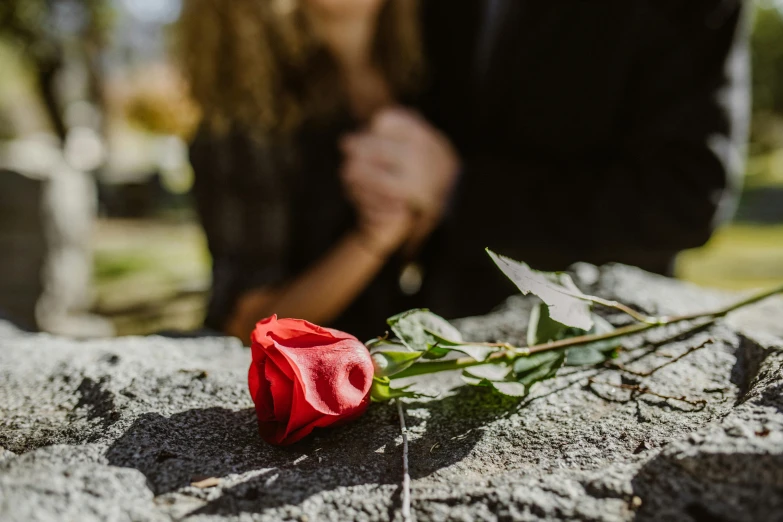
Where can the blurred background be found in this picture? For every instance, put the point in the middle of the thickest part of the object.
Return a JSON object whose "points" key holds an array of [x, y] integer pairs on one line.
{"points": [[97, 231]]}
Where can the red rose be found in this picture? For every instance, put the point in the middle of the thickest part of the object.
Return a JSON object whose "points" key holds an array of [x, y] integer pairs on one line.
{"points": [[304, 377]]}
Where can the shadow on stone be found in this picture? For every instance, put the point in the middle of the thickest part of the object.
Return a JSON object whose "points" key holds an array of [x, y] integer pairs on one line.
{"points": [[453, 427], [366, 452], [711, 487], [97, 401], [750, 357], [773, 396], [174, 451]]}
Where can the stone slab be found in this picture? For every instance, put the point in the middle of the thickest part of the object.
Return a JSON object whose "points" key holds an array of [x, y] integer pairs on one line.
{"points": [[120, 430]]}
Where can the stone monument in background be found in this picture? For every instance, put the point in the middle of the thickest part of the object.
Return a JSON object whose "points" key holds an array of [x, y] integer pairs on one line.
{"points": [[22, 247], [47, 211]]}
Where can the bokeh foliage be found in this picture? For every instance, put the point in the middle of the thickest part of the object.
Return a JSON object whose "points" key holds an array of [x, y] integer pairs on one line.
{"points": [[767, 45], [43, 28]]}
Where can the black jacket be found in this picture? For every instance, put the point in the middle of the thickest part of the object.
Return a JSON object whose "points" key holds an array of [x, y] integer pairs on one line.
{"points": [[599, 130]]}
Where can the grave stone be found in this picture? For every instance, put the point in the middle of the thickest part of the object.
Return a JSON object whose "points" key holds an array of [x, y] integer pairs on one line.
{"points": [[123, 429]]}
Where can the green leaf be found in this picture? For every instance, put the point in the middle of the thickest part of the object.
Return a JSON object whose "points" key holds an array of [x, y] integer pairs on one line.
{"points": [[490, 372], [593, 353], [436, 352], [538, 367], [421, 330], [415, 329], [511, 388], [584, 356], [474, 381], [381, 341], [566, 305], [381, 391], [525, 364], [496, 376], [388, 363], [603, 326], [542, 328], [566, 282], [477, 351]]}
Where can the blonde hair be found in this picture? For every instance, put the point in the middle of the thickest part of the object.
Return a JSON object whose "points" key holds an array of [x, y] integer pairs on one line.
{"points": [[256, 63]]}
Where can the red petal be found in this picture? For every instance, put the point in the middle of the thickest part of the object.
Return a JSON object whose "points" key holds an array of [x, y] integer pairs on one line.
{"points": [[323, 422], [308, 376], [290, 329], [335, 378], [259, 341], [260, 391], [270, 431], [282, 389]]}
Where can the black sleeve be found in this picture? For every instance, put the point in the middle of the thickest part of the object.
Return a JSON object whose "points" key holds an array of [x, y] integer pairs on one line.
{"points": [[671, 178], [242, 205]]}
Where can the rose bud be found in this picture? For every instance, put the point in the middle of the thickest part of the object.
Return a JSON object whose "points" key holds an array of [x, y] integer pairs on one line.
{"points": [[304, 376]]}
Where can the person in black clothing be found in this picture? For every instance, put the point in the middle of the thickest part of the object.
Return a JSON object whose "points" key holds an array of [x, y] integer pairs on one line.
{"points": [[550, 132], [609, 131]]}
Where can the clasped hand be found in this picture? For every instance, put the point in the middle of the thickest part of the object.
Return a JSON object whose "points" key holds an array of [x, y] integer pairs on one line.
{"points": [[399, 174]]}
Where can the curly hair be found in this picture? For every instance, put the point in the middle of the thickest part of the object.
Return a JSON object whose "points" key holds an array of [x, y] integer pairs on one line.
{"points": [[257, 63]]}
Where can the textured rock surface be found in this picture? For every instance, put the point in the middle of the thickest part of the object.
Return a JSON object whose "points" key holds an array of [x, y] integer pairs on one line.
{"points": [[119, 430]]}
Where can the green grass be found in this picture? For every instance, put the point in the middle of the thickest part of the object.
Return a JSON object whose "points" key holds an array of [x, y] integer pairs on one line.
{"points": [[110, 266], [150, 275], [738, 256]]}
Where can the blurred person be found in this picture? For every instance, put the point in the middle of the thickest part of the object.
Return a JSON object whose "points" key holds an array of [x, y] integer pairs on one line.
{"points": [[292, 229], [551, 133], [603, 132]]}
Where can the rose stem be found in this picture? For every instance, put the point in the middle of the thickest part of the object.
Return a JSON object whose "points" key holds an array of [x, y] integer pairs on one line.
{"points": [[625, 309], [406, 477], [466, 362]]}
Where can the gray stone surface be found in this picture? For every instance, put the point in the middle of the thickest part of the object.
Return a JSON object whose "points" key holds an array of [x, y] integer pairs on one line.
{"points": [[119, 430]]}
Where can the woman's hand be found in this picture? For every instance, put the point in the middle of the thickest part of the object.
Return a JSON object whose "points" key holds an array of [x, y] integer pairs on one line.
{"points": [[408, 159], [384, 217]]}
